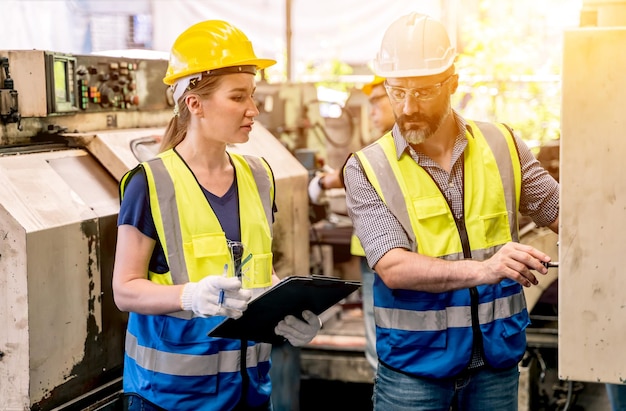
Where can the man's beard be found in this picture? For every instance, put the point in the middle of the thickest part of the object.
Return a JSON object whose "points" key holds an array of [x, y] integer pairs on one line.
{"points": [[415, 134]]}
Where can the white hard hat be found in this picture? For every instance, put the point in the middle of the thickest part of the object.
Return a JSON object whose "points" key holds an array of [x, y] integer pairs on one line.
{"points": [[414, 45]]}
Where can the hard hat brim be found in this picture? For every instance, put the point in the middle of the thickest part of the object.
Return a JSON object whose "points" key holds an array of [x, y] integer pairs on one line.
{"points": [[260, 64]]}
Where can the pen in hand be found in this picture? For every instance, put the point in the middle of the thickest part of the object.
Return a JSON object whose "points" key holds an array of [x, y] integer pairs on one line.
{"points": [[220, 299]]}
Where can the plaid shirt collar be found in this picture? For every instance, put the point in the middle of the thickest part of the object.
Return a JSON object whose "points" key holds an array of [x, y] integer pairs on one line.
{"points": [[459, 145]]}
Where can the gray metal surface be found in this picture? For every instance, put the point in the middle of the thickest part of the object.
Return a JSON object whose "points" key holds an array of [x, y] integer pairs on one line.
{"points": [[57, 223]]}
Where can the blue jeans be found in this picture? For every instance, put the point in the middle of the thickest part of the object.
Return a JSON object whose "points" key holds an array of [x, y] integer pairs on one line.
{"points": [[481, 390], [367, 296], [617, 396], [136, 403]]}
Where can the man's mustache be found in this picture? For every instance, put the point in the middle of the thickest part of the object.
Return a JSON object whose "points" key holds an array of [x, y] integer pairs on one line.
{"points": [[414, 118]]}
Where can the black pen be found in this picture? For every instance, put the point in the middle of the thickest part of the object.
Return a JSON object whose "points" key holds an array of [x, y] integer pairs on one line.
{"points": [[551, 264]]}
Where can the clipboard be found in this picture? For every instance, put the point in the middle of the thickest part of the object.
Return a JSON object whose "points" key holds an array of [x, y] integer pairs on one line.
{"points": [[290, 296]]}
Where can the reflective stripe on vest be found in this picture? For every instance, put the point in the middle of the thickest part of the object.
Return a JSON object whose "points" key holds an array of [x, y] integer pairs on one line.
{"points": [[186, 221], [430, 334], [194, 365], [439, 320]]}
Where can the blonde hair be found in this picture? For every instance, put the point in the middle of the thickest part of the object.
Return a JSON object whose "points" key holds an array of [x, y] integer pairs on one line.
{"points": [[176, 130]]}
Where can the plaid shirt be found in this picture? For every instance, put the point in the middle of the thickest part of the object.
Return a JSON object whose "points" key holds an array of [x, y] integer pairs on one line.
{"points": [[380, 231]]}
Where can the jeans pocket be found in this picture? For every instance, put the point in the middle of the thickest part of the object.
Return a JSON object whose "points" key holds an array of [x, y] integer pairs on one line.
{"points": [[136, 403]]}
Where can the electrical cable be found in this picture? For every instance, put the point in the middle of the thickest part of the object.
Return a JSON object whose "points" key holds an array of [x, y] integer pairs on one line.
{"points": [[316, 126]]}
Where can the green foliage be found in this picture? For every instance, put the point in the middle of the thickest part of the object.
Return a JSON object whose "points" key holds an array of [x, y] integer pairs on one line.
{"points": [[331, 74], [509, 70]]}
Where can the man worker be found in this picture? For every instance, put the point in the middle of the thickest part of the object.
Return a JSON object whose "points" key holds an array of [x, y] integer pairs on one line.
{"points": [[382, 118], [435, 205]]}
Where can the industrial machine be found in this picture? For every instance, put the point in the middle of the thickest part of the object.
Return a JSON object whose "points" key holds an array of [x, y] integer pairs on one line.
{"points": [[70, 126], [588, 324], [593, 224]]}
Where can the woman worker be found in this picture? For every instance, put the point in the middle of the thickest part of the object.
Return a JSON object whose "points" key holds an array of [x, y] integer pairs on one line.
{"points": [[180, 213]]}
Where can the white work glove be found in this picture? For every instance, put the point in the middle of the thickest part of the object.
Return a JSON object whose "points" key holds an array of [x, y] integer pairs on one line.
{"points": [[203, 297], [299, 332], [316, 193]]}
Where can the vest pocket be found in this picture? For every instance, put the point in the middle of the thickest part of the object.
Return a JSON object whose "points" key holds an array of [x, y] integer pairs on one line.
{"points": [[516, 315], [505, 340], [210, 253], [430, 208], [257, 273], [514, 325], [434, 221], [495, 228], [503, 331], [209, 245]]}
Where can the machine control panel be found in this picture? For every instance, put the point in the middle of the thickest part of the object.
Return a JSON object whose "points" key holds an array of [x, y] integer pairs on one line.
{"points": [[76, 84], [108, 85]]}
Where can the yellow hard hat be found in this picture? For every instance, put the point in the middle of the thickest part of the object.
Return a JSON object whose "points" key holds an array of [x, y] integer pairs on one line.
{"points": [[367, 89], [210, 45], [414, 45]]}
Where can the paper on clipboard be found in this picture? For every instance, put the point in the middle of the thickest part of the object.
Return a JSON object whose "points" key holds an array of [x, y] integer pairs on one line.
{"points": [[291, 296]]}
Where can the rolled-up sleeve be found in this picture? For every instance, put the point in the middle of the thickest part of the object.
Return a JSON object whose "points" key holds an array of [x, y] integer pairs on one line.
{"points": [[539, 198]]}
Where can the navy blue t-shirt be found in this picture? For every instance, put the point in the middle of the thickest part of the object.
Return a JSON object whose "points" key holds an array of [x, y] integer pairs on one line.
{"points": [[135, 211]]}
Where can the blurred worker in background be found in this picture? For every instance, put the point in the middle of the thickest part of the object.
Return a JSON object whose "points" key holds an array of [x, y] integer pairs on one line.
{"points": [[381, 115], [435, 205], [179, 213], [381, 112]]}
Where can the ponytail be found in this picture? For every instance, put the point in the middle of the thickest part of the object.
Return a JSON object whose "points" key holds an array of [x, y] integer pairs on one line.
{"points": [[174, 134], [176, 130]]}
